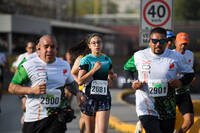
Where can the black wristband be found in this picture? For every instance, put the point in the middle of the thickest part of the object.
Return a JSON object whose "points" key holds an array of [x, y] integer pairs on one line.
{"points": [[73, 88], [187, 78]]}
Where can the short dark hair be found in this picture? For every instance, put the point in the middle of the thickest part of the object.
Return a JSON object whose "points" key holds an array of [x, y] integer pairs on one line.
{"points": [[158, 30], [90, 36], [48, 36], [27, 42]]}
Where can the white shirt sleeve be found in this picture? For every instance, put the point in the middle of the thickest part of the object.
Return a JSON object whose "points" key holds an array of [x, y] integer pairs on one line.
{"points": [[20, 58], [183, 66], [70, 78]]}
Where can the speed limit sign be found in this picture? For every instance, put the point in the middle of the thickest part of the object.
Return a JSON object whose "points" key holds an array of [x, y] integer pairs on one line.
{"points": [[155, 13]]}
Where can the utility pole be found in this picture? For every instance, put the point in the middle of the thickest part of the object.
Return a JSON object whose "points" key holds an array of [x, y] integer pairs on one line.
{"points": [[96, 11], [105, 6], [73, 10], [58, 10]]}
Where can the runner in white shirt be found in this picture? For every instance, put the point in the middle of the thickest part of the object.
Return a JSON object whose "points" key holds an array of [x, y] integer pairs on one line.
{"points": [[157, 77], [30, 48], [45, 77], [183, 99]]}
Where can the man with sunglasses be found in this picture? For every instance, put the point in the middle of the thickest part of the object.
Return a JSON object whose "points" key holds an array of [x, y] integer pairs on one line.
{"points": [[183, 99], [157, 79]]}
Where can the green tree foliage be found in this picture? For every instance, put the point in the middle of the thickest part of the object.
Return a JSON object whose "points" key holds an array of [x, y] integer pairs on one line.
{"points": [[84, 7], [186, 9]]}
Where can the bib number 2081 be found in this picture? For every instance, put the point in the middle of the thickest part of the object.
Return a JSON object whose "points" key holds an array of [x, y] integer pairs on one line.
{"points": [[99, 87]]}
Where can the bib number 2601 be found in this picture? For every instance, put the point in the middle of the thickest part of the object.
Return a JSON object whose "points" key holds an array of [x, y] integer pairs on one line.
{"points": [[99, 87]]}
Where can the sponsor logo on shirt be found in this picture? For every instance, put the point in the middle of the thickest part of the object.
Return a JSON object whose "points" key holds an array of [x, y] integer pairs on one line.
{"points": [[171, 66], [102, 62], [64, 71], [146, 62], [146, 65], [41, 69]]}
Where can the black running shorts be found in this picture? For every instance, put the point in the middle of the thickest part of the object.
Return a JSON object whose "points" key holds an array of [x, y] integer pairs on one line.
{"points": [[184, 103], [94, 105], [152, 124], [46, 125]]}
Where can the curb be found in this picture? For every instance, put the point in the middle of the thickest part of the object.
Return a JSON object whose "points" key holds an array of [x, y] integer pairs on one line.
{"points": [[118, 125], [122, 94]]}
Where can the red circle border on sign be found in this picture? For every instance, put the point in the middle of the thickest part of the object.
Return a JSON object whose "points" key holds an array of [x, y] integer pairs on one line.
{"points": [[154, 25]]}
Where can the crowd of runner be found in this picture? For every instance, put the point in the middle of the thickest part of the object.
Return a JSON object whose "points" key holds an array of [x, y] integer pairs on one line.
{"points": [[160, 76]]}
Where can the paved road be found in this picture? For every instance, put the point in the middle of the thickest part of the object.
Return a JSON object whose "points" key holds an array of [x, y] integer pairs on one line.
{"points": [[11, 114]]}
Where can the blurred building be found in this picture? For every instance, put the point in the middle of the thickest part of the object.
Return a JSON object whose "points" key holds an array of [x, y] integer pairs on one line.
{"points": [[41, 8], [127, 6], [22, 20]]}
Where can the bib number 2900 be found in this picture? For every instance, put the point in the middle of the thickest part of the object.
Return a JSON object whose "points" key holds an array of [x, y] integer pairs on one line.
{"points": [[51, 99]]}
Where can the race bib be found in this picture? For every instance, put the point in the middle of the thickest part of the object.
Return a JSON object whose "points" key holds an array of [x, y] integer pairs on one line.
{"points": [[158, 88], [52, 98], [99, 87]]}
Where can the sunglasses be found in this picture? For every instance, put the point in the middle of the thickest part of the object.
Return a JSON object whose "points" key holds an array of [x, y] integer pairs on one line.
{"points": [[161, 41]]}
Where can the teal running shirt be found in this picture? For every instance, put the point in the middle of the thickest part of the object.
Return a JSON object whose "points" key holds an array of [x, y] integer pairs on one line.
{"points": [[97, 86]]}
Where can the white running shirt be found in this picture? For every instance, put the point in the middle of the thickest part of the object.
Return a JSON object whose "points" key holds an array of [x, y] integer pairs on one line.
{"points": [[55, 75], [189, 59], [157, 69], [20, 58]]}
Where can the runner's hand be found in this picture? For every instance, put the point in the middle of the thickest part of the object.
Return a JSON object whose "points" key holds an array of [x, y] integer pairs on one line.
{"points": [[175, 83], [137, 85], [109, 83], [39, 89], [112, 76], [97, 66]]}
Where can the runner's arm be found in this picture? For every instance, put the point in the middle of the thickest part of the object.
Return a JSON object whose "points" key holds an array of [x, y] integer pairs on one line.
{"points": [[75, 68], [21, 77], [84, 76], [179, 83], [187, 78], [72, 87], [21, 90]]}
